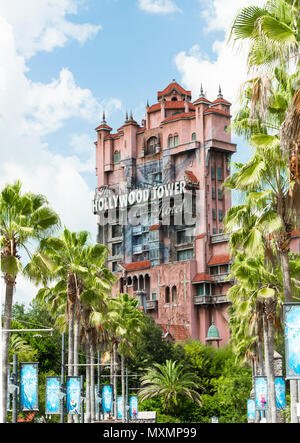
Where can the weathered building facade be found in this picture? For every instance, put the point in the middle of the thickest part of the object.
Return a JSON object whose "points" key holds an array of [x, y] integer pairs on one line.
{"points": [[175, 262]]}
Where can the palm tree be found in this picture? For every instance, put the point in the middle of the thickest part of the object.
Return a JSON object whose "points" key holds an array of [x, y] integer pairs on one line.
{"points": [[171, 383], [94, 299], [256, 298], [273, 32], [265, 179], [125, 322], [24, 218], [78, 268]]}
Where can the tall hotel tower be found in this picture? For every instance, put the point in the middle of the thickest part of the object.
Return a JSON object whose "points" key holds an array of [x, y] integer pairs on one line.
{"points": [[175, 262]]}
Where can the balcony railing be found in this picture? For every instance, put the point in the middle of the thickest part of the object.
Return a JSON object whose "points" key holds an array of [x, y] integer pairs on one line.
{"points": [[138, 249], [219, 238], [210, 299], [152, 305], [140, 229], [220, 278]]}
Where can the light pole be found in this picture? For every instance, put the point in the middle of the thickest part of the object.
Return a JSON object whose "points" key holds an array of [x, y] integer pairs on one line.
{"points": [[62, 380]]}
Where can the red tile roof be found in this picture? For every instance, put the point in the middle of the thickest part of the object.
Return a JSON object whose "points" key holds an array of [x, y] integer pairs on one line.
{"points": [[202, 277], [171, 105], [154, 227], [171, 86], [191, 177], [137, 265], [216, 111], [180, 117], [200, 99], [221, 100], [219, 260], [201, 236], [296, 233], [106, 127]]}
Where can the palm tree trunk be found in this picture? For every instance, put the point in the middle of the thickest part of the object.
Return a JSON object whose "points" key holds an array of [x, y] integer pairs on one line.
{"points": [[271, 377], [10, 283], [260, 357], [88, 380], [115, 380], [92, 394], [71, 351], [75, 353], [123, 388], [288, 295]]}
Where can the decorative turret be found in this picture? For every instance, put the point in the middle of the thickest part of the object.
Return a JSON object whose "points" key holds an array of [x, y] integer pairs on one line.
{"points": [[213, 334]]}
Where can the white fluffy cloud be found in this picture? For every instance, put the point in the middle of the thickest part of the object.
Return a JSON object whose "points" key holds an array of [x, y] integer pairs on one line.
{"points": [[41, 25], [228, 66], [29, 111], [159, 6]]}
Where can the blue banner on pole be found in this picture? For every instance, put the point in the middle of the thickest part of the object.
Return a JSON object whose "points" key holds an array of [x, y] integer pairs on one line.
{"points": [[107, 398], [120, 407], [29, 387], [291, 313], [280, 393], [133, 407], [261, 393], [73, 395], [52, 395], [251, 410]]}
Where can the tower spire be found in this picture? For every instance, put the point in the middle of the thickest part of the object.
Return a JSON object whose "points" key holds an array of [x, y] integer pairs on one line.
{"points": [[220, 95], [103, 118], [202, 95]]}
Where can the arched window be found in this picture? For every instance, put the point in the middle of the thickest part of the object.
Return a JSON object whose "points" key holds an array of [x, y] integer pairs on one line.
{"points": [[174, 99], [135, 283], [117, 157], [151, 145], [176, 139], [170, 141], [167, 295], [174, 294], [193, 136]]}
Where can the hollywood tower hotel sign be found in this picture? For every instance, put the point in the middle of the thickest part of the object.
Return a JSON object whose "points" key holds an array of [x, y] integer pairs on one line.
{"points": [[160, 207]]}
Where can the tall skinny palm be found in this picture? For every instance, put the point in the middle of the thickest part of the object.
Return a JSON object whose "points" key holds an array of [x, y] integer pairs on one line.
{"points": [[24, 220]]}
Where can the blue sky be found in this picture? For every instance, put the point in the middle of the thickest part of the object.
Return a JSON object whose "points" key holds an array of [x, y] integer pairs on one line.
{"points": [[65, 61]]}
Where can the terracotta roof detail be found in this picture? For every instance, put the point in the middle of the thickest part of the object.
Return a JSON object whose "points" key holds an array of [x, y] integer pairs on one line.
{"points": [[171, 105], [216, 111], [154, 227], [202, 277], [180, 117], [177, 87], [106, 127], [191, 177], [137, 265], [221, 100], [219, 260]]}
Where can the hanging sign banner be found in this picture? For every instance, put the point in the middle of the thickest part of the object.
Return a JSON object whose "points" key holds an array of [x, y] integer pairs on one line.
{"points": [[73, 395], [280, 393], [291, 312], [29, 387], [52, 396], [261, 393], [120, 407], [133, 407], [251, 410], [107, 398]]}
